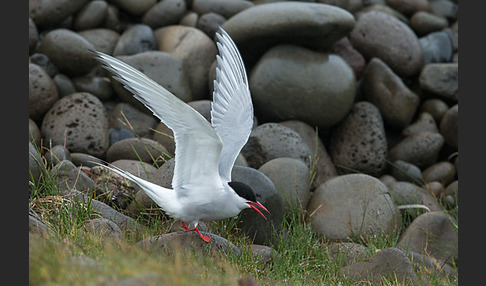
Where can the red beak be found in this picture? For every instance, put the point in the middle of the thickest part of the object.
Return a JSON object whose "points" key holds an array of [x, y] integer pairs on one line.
{"points": [[253, 206]]}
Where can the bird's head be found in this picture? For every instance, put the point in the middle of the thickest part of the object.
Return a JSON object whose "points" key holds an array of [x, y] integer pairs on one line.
{"points": [[247, 195]]}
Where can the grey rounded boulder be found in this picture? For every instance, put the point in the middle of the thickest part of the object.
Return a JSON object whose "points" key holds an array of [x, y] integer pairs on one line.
{"points": [[359, 143], [352, 206], [42, 92], [295, 83], [81, 120]]}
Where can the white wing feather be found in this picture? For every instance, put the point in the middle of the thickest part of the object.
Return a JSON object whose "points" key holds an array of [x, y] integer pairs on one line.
{"points": [[194, 136], [231, 109]]}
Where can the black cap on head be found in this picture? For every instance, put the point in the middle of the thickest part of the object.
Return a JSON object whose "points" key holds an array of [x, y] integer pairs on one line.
{"points": [[243, 190]]}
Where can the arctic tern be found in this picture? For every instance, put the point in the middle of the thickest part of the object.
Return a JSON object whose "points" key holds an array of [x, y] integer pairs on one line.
{"points": [[205, 152]]}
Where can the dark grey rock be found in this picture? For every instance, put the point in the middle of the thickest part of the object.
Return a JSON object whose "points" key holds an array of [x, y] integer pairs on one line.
{"points": [[134, 7], [33, 36], [263, 252], [377, 34], [196, 50], [165, 13], [424, 23], [350, 252], [408, 7], [57, 154], [358, 143], [432, 234], [449, 126], [104, 40], [42, 92], [37, 227], [125, 223], [391, 263], [83, 159], [311, 25], [259, 230], [144, 149], [126, 116], [64, 85], [209, 23], [443, 172], [321, 96], [68, 51], [404, 171], [272, 140], [35, 165], [45, 63], [321, 161], [424, 122], [421, 149], [90, 16], [437, 48], [350, 55], [97, 86], [34, 133], [222, 7], [78, 120], [70, 177], [46, 14], [291, 178], [386, 90], [352, 206], [444, 8], [119, 134], [136, 39], [441, 79], [172, 76], [435, 107]]}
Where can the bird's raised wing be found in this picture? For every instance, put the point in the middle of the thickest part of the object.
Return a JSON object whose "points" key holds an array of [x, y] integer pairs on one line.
{"points": [[198, 147], [231, 109]]}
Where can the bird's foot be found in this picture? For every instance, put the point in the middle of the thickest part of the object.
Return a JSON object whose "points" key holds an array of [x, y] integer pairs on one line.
{"points": [[204, 237]]}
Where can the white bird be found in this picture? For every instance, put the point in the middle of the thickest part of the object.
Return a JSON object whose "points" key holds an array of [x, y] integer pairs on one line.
{"points": [[205, 153]]}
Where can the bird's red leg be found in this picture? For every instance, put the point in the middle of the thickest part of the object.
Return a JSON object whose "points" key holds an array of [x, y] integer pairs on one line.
{"points": [[204, 237]]}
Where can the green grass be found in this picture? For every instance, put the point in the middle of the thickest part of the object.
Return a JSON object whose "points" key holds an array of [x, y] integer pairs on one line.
{"points": [[73, 256]]}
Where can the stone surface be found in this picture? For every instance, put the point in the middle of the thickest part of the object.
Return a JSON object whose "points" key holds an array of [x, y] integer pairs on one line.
{"points": [[443, 172], [435, 107], [34, 133], [42, 92], [348, 251], [409, 7], [209, 23], [134, 7], [68, 51], [352, 206], [136, 39], [424, 22], [164, 13], [71, 177], [431, 234], [196, 50], [421, 149], [46, 14], [35, 165], [424, 122], [103, 227], [171, 76], [144, 149], [125, 115], [291, 178], [90, 16], [449, 126], [104, 40], [350, 55], [391, 263], [404, 171], [321, 96], [224, 8], [64, 85], [437, 48], [441, 79], [386, 90], [45, 63], [97, 86], [250, 222], [358, 143], [33, 35], [324, 167], [272, 140], [80, 121], [383, 36], [57, 154]]}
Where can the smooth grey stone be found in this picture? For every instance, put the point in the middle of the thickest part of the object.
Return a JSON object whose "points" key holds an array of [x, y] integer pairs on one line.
{"points": [[36, 165], [134, 7], [136, 39], [423, 23], [34, 133], [57, 154], [441, 79], [42, 92], [353, 206], [435, 107], [47, 14], [404, 171], [71, 177], [144, 149], [104, 40], [139, 122], [437, 48], [90, 16], [103, 227], [424, 122], [421, 149], [224, 8], [383, 36], [45, 63], [33, 36], [165, 13], [97, 86], [209, 23], [449, 126], [443, 172], [64, 85], [321, 96]]}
